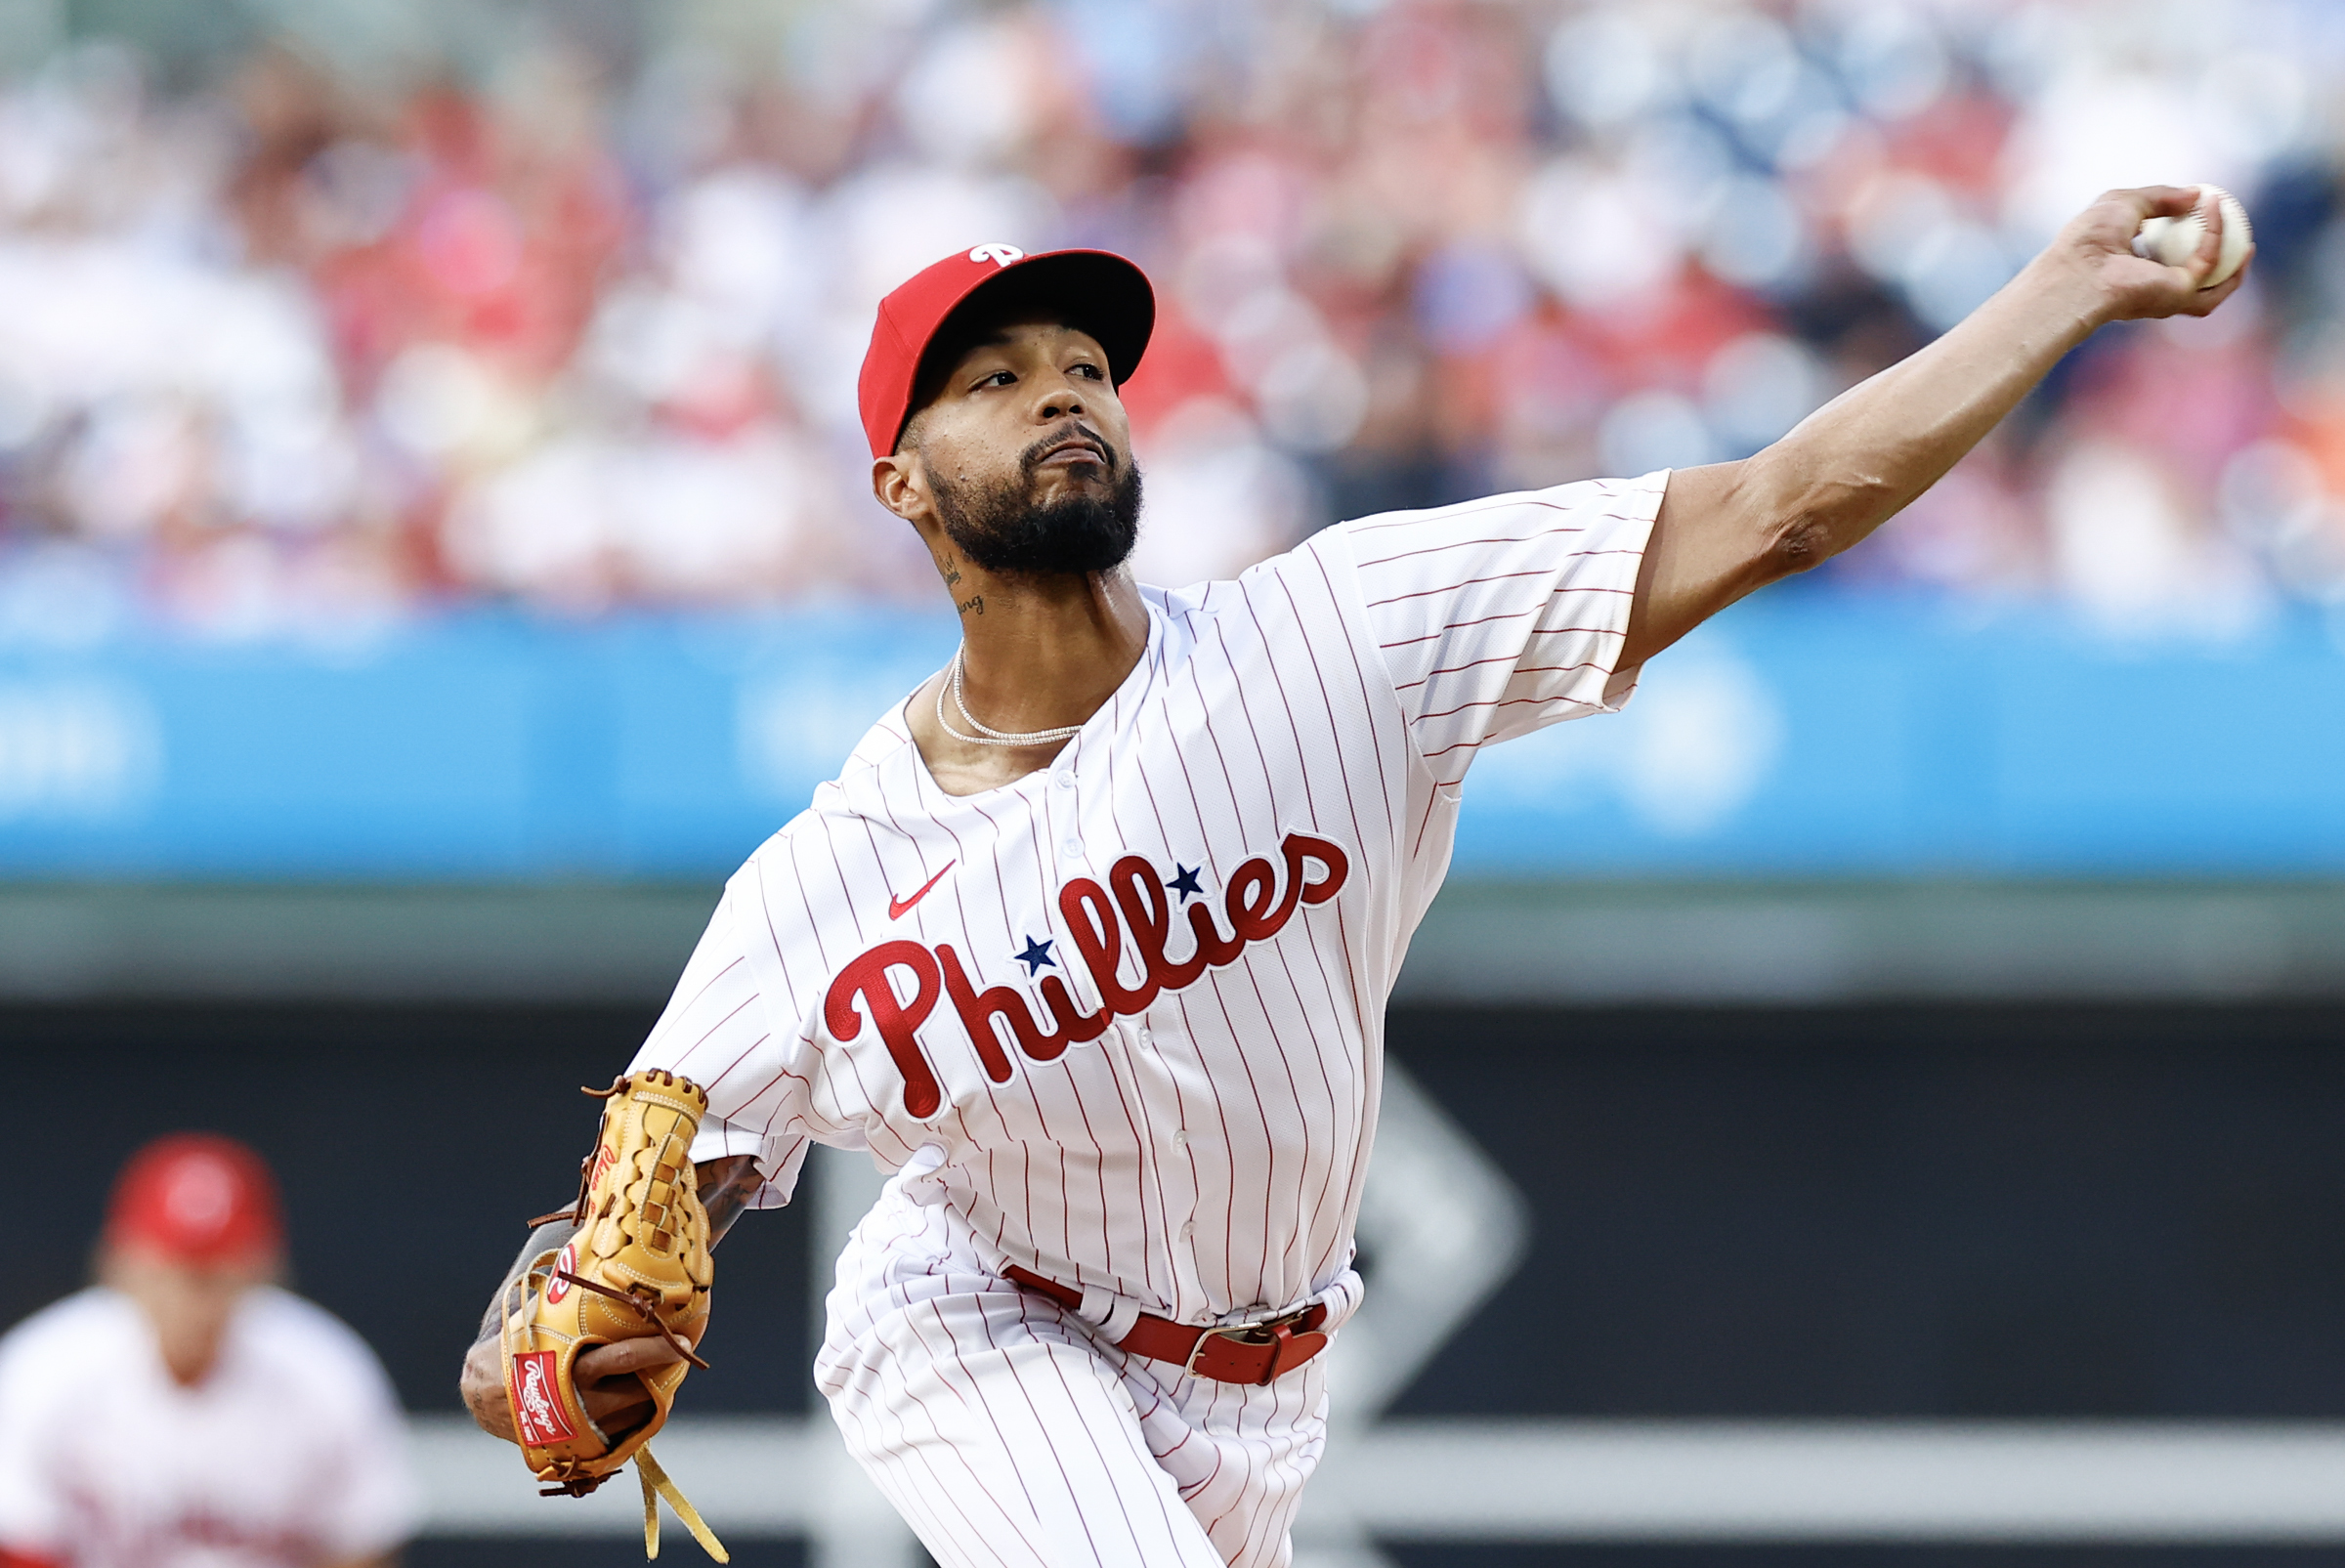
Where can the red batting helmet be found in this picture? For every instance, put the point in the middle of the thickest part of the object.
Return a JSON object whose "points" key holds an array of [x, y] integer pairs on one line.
{"points": [[1098, 292], [196, 1198]]}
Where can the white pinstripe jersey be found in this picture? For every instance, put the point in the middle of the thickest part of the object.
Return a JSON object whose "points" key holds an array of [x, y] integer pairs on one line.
{"points": [[1131, 1005]]}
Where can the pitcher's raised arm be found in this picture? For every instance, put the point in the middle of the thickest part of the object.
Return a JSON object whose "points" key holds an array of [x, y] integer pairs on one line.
{"points": [[1729, 528]]}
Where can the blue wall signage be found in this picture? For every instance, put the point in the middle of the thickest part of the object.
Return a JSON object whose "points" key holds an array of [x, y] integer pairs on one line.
{"points": [[1799, 735]]}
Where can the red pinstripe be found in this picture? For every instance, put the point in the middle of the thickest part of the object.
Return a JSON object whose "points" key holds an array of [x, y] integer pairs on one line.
{"points": [[1461, 544], [1511, 665], [1586, 663], [1464, 509]]}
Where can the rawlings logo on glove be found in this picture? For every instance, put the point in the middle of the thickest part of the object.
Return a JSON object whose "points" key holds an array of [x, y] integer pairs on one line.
{"points": [[536, 1409], [637, 1268]]}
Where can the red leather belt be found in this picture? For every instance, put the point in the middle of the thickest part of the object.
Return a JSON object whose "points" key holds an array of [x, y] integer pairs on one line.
{"points": [[1241, 1353]]}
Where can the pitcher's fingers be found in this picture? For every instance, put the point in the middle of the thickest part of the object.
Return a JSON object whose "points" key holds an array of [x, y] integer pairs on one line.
{"points": [[612, 1400], [2209, 208], [645, 1354], [2156, 200], [2208, 298]]}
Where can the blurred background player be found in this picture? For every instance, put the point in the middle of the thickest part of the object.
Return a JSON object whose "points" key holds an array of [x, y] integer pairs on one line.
{"points": [[188, 1409]]}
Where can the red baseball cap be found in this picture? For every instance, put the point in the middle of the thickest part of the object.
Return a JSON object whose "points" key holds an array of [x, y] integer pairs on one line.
{"points": [[196, 1198], [1099, 291]]}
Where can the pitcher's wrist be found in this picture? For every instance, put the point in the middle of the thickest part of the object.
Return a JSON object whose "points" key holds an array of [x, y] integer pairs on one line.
{"points": [[483, 1386]]}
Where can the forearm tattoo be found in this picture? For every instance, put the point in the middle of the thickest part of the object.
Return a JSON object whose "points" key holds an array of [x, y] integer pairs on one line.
{"points": [[727, 1186]]}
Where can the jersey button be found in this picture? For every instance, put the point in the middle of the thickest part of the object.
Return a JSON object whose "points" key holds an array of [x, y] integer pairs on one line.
{"points": [[1180, 1139], [1065, 781], [1188, 1230]]}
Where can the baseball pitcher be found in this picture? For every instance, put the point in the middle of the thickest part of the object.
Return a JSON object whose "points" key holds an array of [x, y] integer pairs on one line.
{"points": [[1090, 941]]}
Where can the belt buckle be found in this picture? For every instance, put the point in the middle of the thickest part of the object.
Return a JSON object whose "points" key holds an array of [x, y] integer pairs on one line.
{"points": [[1248, 1334]]}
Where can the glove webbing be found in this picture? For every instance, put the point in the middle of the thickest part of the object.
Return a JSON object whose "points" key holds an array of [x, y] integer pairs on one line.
{"points": [[657, 1485]]}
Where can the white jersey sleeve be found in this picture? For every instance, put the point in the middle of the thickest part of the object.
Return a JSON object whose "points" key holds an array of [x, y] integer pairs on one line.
{"points": [[1499, 617], [718, 1021]]}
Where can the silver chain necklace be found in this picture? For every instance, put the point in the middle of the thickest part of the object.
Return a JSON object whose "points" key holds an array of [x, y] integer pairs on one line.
{"points": [[986, 734]]}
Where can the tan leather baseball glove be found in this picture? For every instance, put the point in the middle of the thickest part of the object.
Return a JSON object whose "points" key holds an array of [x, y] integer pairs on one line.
{"points": [[638, 1266]]}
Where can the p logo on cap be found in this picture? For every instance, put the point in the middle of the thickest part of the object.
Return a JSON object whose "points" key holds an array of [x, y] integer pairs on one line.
{"points": [[999, 255], [200, 1194]]}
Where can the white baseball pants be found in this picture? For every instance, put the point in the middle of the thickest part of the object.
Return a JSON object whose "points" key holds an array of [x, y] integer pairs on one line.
{"points": [[1008, 1437]]}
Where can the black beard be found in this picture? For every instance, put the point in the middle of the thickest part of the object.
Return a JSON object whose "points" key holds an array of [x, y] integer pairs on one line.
{"points": [[998, 528]]}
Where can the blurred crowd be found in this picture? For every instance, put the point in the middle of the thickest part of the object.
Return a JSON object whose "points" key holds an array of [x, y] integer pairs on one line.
{"points": [[297, 350]]}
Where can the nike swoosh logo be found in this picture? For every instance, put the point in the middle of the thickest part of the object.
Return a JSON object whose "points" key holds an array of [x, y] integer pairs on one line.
{"points": [[896, 907]]}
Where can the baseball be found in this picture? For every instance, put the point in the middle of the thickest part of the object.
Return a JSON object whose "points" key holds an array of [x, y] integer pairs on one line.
{"points": [[2173, 241]]}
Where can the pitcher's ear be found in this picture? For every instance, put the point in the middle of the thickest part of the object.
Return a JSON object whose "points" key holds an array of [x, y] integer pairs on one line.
{"points": [[899, 482]]}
